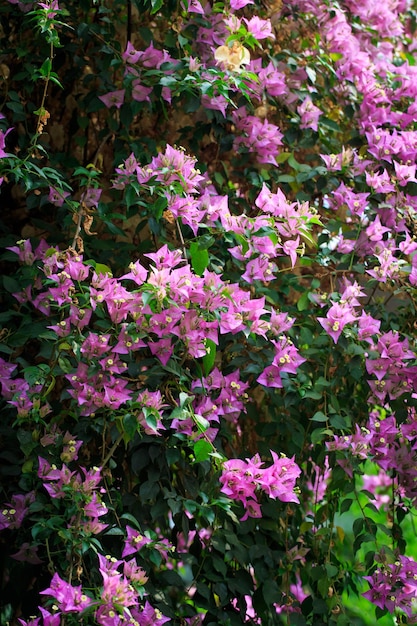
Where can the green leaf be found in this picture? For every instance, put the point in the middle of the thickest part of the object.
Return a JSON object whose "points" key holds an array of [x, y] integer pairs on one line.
{"points": [[11, 285], [114, 531], [346, 504], [339, 422], [319, 434], [65, 364], [219, 565], [271, 592], [179, 413], [45, 68], [357, 526], [36, 374], [156, 5], [202, 450], [151, 417], [319, 416], [201, 422], [199, 258], [308, 237], [303, 302], [103, 269], [130, 426], [282, 157], [331, 570], [210, 356], [54, 79], [311, 73], [131, 519], [328, 123], [185, 399], [286, 178], [159, 207]]}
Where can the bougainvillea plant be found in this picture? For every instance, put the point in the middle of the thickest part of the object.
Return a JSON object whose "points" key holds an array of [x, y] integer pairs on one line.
{"points": [[208, 351]]}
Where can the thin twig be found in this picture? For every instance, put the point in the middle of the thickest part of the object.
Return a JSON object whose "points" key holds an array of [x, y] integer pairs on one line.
{"points": [[111, 451]]}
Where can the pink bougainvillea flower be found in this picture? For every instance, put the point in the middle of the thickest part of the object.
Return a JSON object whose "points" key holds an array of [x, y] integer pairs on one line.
{"points": [[259, 28], [405, 173], [163, 349], [192, 6], [140, 92], [113, 98], [149, 616], [287, 358], [28, 554], [216, 103], [309, 114], [68, 598], [134, 541], [3, 136], [57, 198], [278, 480], [13, 516], [165, 258], [235, 5], [337, 317], [50, 619], [174, 165], [91, 197], [131, 55], [51, 8]]}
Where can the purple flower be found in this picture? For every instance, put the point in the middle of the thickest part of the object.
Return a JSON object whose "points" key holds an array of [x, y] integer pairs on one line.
{"points": [[260, 137], [51, 8], [405, 173], [272, 80], [134, 542], [165, 258], [176, 166], [309, 114], [68, 598], [192, 6], [50, 619], [13, 513], [215, 103], [91, 197], [287, 358], [95, 508], [113, 98], [163, 349], [134, 573], [149, 616], [24, 251], [3, 136], [394, 585], [259, 28], [140, 93], [337, 317], [235, 5], [278, 480], [131, 55], [28, 554]]}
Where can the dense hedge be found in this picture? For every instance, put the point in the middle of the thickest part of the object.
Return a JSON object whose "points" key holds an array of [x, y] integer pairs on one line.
{"points": [[208, 347]]}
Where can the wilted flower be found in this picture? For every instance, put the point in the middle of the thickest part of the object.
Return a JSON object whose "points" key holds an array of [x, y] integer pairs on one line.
{"points": [[232, 57]]}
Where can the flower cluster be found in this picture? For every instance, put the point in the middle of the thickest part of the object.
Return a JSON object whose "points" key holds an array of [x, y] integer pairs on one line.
{"points": [[392, 446], [170, 313], [118, 603], [393, 585], [257, 165], [241, 480]]}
